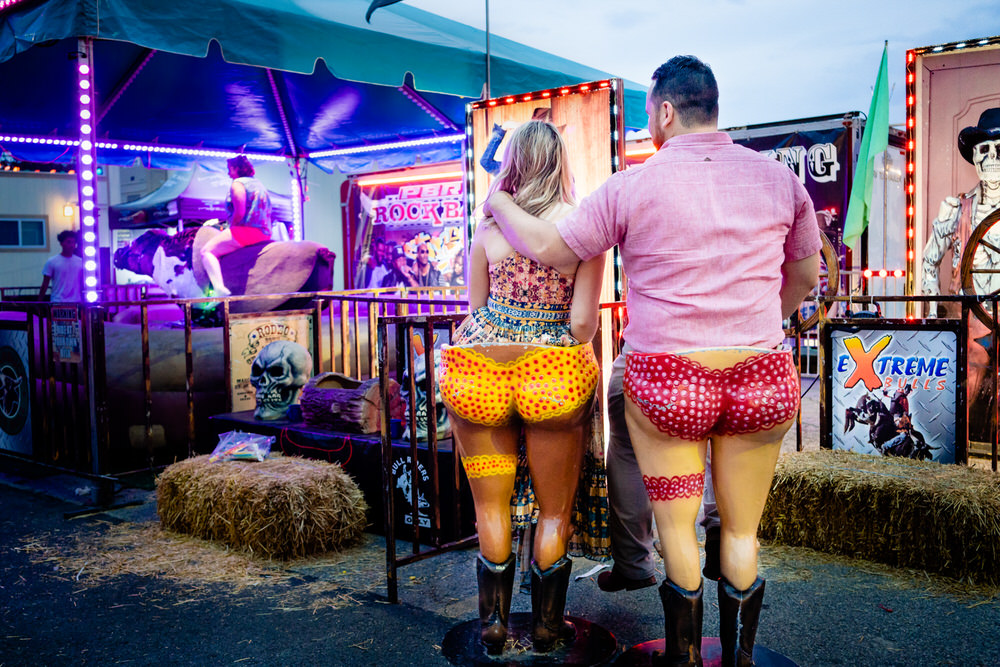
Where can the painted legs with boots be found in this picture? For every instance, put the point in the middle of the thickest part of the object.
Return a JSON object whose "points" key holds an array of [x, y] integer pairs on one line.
{"points": [[682, 612], [496, 585], [739, 613], [548, 605]]}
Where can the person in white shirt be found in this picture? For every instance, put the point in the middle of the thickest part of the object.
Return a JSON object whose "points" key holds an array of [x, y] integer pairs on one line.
{"points": [[64, 272]]}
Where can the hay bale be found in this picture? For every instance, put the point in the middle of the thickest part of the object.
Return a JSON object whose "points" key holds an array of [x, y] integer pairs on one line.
{"points": [[283, 507], [914, 514]]}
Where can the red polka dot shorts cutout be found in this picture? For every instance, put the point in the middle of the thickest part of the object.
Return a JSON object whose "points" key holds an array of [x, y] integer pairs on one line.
{"points": [[689, 401]]}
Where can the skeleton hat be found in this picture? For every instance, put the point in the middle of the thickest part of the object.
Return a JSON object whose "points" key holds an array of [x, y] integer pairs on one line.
{"points": [[988, 128]]}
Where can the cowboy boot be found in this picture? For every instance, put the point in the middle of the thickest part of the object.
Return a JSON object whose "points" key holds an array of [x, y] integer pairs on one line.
{"points": [[548, 605], [739, 611], [496, 585], [682, 612]]}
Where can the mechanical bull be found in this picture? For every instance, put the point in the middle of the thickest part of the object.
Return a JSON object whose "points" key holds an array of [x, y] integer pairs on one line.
{"points": [[277, 267]]}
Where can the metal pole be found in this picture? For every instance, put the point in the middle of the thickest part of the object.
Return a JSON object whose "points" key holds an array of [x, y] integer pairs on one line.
{"points": [[886, 161], [488, 94], [87, 322]]}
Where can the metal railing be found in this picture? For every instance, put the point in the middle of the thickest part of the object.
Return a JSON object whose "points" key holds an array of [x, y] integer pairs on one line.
{"points": [[432, 541], [76, 409]]}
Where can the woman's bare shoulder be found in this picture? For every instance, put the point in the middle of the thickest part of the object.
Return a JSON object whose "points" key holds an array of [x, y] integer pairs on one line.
{"points": [[489, 236], [559, 211]]}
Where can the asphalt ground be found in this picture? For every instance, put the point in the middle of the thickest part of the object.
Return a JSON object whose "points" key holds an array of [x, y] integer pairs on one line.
{"points": [[109, 587]]}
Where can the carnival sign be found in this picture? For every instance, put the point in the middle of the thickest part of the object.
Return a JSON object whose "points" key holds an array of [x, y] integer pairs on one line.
{"points": [[248, 334], [421, 204], [67, 340], [893, 389]]}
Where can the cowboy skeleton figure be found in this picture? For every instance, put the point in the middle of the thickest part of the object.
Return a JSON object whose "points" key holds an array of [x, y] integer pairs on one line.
{"points": [[959, 216]]}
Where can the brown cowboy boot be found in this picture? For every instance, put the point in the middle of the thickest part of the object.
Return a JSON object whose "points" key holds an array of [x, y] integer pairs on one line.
{"points": [[496, 585], [682, 612], [548, 605], [739, 613]]}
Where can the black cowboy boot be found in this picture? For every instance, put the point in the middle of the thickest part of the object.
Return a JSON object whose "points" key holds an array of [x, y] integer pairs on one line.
{"points": [[496, 585], [739, 611], [682, 612], [548, 605]]}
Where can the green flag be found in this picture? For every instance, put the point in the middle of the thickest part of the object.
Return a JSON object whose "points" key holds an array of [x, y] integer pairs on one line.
{"points": [[873, 142]]}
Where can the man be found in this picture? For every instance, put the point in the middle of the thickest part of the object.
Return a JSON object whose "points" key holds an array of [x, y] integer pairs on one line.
{"points": [[400, 273], [425, 275], [704, 228], [64, 272], [377, 264]]}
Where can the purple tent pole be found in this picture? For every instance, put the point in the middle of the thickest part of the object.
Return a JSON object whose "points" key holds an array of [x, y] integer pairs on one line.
{"points": [[86, 167]]}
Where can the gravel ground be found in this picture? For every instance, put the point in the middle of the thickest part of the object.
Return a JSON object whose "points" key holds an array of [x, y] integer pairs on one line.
{"points": [[111, 588]]}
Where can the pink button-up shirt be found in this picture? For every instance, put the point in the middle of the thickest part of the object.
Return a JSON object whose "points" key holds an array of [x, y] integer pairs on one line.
{"points": [[703, 227]]}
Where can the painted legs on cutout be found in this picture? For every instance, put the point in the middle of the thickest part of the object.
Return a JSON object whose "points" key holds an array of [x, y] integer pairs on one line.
{"points": [[743, 400], [673, 471], [555, 456], [492, 392], [489, 455], [488, 413]]}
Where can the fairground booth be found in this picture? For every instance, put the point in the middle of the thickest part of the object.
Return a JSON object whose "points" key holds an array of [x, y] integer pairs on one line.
{"points": [[377, 135], [359, 128]]}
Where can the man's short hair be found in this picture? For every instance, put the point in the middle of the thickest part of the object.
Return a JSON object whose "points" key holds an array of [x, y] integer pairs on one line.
{"points": [[689, 85], [65, 234]]}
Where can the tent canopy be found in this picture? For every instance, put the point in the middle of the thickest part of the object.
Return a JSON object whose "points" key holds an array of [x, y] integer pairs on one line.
{"points": [[283, 77]]}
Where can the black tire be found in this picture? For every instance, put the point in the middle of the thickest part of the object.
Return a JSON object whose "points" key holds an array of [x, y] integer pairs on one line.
{"points": [[15, 403]]}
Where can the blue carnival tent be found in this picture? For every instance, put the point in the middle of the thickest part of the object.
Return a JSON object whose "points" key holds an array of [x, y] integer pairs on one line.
{"points": [[289, 78], [113, 81]]}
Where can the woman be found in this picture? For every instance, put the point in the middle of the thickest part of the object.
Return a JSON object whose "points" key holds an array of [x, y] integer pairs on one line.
{"points": [[249, 221], [458, 271], [522, 361]]}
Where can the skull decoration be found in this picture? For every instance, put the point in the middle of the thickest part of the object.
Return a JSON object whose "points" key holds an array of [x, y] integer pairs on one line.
{"points": [[986, 158], [280, 370]]}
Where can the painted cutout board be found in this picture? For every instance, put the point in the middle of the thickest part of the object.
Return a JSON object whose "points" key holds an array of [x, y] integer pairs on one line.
{"points": [[400, 213], [893, 388], [248, 334]]}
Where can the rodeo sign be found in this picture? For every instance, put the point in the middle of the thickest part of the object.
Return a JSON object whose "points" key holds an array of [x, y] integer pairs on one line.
{"points": [[892, 390]]}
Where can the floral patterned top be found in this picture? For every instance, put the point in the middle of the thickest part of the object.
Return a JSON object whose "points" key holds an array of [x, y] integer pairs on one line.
{"points": [[528, 303]]}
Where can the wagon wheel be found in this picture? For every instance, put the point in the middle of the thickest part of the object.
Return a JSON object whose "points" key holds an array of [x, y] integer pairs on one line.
{"points": [[829, 282], [988, 249]]}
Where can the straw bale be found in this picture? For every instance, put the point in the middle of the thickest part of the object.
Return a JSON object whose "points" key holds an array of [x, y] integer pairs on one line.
{"points": [[282, 507], [905, 513]]}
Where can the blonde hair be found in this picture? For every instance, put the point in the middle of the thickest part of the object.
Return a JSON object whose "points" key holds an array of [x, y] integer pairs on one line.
{"points": [[535, 169]]}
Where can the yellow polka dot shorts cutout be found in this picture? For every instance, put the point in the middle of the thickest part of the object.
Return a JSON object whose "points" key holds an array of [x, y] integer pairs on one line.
{"points": [[538, 385]]}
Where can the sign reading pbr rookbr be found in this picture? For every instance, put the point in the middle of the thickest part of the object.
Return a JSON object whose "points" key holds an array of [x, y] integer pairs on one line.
{"points": [[406, 223], [892, 389]]}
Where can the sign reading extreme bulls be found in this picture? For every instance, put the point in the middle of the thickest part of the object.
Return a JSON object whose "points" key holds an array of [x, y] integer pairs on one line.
{"points": [[892, 389]]}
